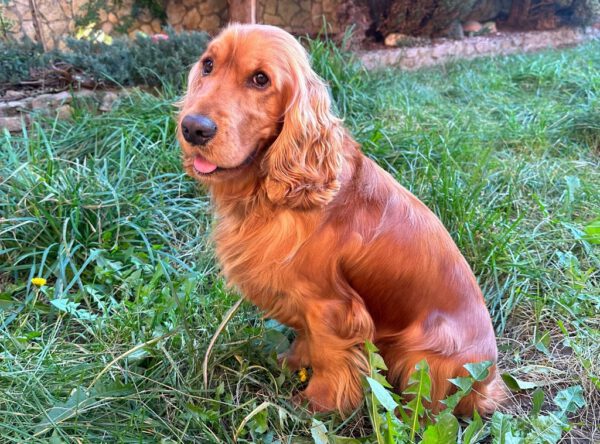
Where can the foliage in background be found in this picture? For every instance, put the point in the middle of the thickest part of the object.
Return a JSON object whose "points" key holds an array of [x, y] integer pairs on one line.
{"points": [[504, 150], [90, 12], [125, 62], [6, 24], [17, 59]]}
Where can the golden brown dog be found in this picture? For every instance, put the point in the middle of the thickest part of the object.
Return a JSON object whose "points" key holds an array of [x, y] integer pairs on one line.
{"points": [[319, 236]]}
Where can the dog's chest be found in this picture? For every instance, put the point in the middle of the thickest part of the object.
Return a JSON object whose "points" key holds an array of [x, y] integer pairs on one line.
{"points": [[259, 254]]}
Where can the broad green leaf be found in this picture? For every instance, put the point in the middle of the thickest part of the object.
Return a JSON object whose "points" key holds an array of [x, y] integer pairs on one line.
{"points": [[377, 362], [420, 388], [502, 429], [318, 431], [78, 400], [260, 422], [547, 429], [479, 370], [65, 305], [516, 385], [462, 383], [275, 341], [542, 342], [444, 431], [382, 395], [475, 431], [370, 347], [452, 400], [537, 399], [592, 232], [570, 399]]}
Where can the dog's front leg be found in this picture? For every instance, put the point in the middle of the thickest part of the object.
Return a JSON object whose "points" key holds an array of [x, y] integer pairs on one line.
{"points": [[336, 331]]}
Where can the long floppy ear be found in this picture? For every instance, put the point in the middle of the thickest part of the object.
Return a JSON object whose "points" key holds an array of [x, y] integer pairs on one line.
{"points": [[303, 164]]}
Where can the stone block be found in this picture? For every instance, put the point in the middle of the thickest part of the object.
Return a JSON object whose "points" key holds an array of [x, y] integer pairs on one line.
{"points": [[210, 23], [286, 9], [45, 101], [175, 12], [13, 124], [191, 19]]}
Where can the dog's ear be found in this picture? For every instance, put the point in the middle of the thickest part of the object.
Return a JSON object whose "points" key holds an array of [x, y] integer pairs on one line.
{"points": [[303, 163]]}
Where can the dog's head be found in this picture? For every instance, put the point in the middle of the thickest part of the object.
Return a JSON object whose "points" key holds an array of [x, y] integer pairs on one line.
{"points": [[255, 107]]}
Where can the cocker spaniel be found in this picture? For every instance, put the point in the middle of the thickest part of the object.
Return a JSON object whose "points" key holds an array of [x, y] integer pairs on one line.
{"points": [[320, 237]]}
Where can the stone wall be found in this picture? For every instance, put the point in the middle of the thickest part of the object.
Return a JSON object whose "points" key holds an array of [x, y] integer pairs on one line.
{"points": [[54, 17], [442, 51], [57, 17]]}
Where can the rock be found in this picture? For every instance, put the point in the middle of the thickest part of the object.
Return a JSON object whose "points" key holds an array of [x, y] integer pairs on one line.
{"points": [[191, 20], [396, 39], [270, 7], [489, 28], [471, 26], [108, 101], [146, 29], [287, 10], [156, 26], [13, 108], [210, 23], [13, 124], [107, 27], [301, 20], [64, 112], [12, 95], [46, 101], [175, 12], [272, 20], [112, 17]]}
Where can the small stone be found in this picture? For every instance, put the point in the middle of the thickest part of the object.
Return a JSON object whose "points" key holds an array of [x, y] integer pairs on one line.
{"points": [[175, 12], [146, 29], [192, 19], [287, 10], [472, 26], [210, 23], [489, 28], [112, 17], [272, 20], [13, 124], [64, 112], [396, 39], [107, 27], [271, 7], [45, 101], [12, 95], [301, 20], [108, 101], [13, 107]]}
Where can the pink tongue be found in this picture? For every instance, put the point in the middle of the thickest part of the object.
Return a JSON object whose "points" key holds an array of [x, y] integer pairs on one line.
{"points": [[203, 166]]}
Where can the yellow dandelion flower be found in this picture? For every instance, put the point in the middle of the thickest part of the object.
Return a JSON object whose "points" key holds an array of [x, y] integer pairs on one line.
{"points": [[303, 375], [38, 281]]}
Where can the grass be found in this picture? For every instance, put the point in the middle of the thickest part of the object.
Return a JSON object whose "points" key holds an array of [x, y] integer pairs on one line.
{"points": [[505, 151]]}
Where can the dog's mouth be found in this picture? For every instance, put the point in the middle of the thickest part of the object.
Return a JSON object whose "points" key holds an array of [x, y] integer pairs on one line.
{"points": [[205, 168]]}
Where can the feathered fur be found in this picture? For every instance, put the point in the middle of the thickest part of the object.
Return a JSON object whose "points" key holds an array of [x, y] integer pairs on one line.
{"points": [[321, 238]]}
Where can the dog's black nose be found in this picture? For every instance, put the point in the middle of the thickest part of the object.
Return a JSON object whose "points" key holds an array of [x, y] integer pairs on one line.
{"points": [[198, 129]]}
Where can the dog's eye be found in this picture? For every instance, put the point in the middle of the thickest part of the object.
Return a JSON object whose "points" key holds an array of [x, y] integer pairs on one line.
{"points": [[207, 67], [260, 80]]}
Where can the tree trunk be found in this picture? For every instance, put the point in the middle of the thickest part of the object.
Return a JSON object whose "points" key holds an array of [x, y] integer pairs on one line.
{"points": [[242, 11]]}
